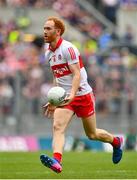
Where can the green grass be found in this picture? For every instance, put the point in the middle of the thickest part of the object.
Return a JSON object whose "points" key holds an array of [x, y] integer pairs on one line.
{"points": [[84, 165]]}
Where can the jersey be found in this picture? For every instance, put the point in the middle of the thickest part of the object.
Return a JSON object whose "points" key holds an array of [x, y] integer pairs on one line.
{"points": [[59, 59]]}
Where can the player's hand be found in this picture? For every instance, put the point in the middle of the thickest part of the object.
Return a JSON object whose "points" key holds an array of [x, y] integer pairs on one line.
{"points": [[67, 100], [49, 110]]}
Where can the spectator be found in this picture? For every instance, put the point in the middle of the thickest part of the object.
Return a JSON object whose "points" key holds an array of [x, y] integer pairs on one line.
{"points": [[131, 139], [129, 35], [32, 89], [110, 9], [6, 97]]}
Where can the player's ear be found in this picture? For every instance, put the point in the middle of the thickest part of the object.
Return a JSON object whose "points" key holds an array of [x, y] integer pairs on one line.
{"points": [[58, 31]]}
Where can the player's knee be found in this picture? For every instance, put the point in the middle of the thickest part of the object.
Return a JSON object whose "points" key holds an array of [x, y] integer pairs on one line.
{"points": [[57, 127]]}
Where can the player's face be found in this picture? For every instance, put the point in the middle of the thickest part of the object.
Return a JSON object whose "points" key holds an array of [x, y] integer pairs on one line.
{"points": [[50, 32]]}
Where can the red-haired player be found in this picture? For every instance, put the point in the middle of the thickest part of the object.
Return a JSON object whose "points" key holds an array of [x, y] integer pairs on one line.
{"points": [[69, 73]]}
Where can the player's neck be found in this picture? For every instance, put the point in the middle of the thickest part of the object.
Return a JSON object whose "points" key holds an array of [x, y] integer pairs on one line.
{"points": [[53, 44]]}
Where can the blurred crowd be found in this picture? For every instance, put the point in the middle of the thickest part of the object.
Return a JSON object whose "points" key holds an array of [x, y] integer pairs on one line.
{"points": [[111, 69], [71, 10]]}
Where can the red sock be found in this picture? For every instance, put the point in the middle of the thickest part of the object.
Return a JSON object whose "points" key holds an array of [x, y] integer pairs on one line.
{"points": [[116, 142], [57, 156]]}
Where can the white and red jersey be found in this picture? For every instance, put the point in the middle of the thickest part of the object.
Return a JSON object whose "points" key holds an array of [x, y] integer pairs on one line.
{"points": [[60, 58]]}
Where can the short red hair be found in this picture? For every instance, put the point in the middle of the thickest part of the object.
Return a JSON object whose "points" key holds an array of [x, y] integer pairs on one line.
{"points": [[58, 23]]}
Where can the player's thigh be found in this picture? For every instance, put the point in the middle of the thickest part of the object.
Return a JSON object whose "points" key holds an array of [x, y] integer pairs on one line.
{"points": [[62, 117], [89, 124]]}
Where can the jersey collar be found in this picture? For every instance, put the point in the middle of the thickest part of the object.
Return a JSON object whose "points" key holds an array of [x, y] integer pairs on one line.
{"points": [[57, 45]]}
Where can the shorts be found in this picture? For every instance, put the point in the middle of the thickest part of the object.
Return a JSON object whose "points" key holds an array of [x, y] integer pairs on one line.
{"points": [[83, 106]]}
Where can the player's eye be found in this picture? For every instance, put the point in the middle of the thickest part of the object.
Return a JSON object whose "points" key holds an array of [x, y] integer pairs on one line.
{"points": [[47, 28]]}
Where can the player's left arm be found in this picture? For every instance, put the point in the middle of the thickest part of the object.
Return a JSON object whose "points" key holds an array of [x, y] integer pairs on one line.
{"points": [[71, 54], [75, 69]]}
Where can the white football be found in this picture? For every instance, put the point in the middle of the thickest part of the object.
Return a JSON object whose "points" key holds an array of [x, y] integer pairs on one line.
{"points": [[56, 95]]}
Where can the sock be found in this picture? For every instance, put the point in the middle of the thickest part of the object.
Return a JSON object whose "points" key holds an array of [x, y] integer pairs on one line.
{"points": [[116, 142], [57, 156]]}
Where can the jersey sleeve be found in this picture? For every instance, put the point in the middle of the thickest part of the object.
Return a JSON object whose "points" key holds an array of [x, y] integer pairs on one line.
{"points": [[71, 54]]}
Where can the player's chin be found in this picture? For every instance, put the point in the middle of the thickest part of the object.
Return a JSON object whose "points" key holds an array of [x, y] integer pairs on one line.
{"points": [[46, 40]]}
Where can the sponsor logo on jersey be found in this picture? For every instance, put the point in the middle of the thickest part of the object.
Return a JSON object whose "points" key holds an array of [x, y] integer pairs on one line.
{"points": [[61, 70]]}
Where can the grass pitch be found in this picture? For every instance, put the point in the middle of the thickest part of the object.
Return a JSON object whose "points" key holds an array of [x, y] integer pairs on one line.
{"points": [[83, 165]]}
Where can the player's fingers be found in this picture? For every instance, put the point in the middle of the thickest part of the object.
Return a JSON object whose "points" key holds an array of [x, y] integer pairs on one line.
{"points": [[65, 102], [45, 106], [46, 111], [49, 113]]}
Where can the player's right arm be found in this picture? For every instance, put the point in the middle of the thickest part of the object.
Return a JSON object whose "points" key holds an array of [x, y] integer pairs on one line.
{"points": [[48, 109], [54, 81]]}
